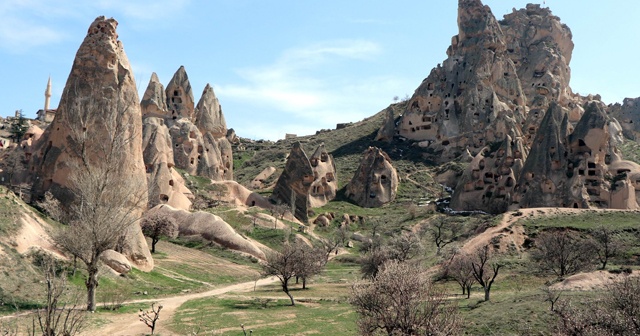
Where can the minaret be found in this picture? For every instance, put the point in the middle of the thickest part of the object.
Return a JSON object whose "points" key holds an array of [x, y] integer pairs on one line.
{"points": [[47, 96]]}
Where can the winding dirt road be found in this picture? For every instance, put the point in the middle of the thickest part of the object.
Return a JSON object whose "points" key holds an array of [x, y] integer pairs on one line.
{"points": [[129, 324]]}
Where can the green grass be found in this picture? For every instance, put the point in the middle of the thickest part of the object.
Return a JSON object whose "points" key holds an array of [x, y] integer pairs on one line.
{"points": [[264, 317]]}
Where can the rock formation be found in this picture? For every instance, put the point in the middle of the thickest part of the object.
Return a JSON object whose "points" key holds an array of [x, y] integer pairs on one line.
{"points": [[99, 103], [307, 182], [198, 134], [154, 101], [388, 129], [166, 186], [295, 182], [502, 96], [179, 96], [580, 170], [209, 227], [325, 183], [375, 183], [258, 181], [628, 114]]}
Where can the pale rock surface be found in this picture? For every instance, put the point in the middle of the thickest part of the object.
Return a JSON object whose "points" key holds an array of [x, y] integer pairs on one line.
{"points": [[209, 227], [100, 91], [116, 261], [375, 183], [295, 182], [325, 183], [154, 101], [179, 95], [258, 181]]}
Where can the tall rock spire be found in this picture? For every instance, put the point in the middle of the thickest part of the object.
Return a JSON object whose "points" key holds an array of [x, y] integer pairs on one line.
{"points": [[98, 121]]}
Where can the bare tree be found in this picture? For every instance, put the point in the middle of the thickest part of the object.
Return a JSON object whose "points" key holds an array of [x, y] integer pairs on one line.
{"points": [[552, 296], [150, 317], [105, 200], [607, 245], [56, 318], [404, 246], [485, 270], [372, 262], [282, 265], [156, 225], [444, 232], [460, 269], [401, 300], [310, 261], [617, 312], [562, 252]]}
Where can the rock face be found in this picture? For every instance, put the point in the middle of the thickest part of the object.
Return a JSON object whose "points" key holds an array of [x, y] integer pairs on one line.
{"points": [[375, 183], [502, 96], [307, 182], [166, 186], [628, 114], [388, 129], [198, 134], [210, 227], [100, 97], [116, 261], [154, 101], [295, 182], [325, 183], [581, 169], [179, 96]]}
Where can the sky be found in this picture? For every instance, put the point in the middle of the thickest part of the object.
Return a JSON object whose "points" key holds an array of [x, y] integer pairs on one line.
{"points": [[292, 66]]}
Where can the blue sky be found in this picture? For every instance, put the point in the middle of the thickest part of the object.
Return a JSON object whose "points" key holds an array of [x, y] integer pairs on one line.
{"points": [[292, 66]]}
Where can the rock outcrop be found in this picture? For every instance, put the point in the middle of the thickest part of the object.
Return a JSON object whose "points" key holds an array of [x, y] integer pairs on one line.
{"points": [[179, 96], [209, 227], [628, 114], [307, 182], [198, 134], [154, 101], [166, 186], [325, 183], [295, 182], [99, 104], [580, 170], [375, 183]]}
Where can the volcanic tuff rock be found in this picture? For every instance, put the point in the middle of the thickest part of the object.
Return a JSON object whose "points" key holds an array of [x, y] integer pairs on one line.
{"points": [[209, 117], [166, 186], [628, 114], [179, 96], [198, 135], [209, 227], [295, 182], [581, 169], [325, 183], [307, 182], [375, 183], [100, 97], [154, 101]]}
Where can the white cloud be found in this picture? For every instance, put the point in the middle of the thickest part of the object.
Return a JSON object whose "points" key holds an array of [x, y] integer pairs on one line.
{"points": [[18, 36], [28, 24], [292, 93]]}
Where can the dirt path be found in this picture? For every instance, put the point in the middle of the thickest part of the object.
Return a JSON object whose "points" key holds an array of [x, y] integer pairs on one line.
{"points": [[128, 324]]}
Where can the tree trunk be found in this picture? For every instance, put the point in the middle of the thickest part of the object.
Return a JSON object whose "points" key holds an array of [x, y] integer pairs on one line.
{"points": [[486, 293], [92, 284], [468, 291], [285, 289], [304, 283], [153, 244], [463, 289]]}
